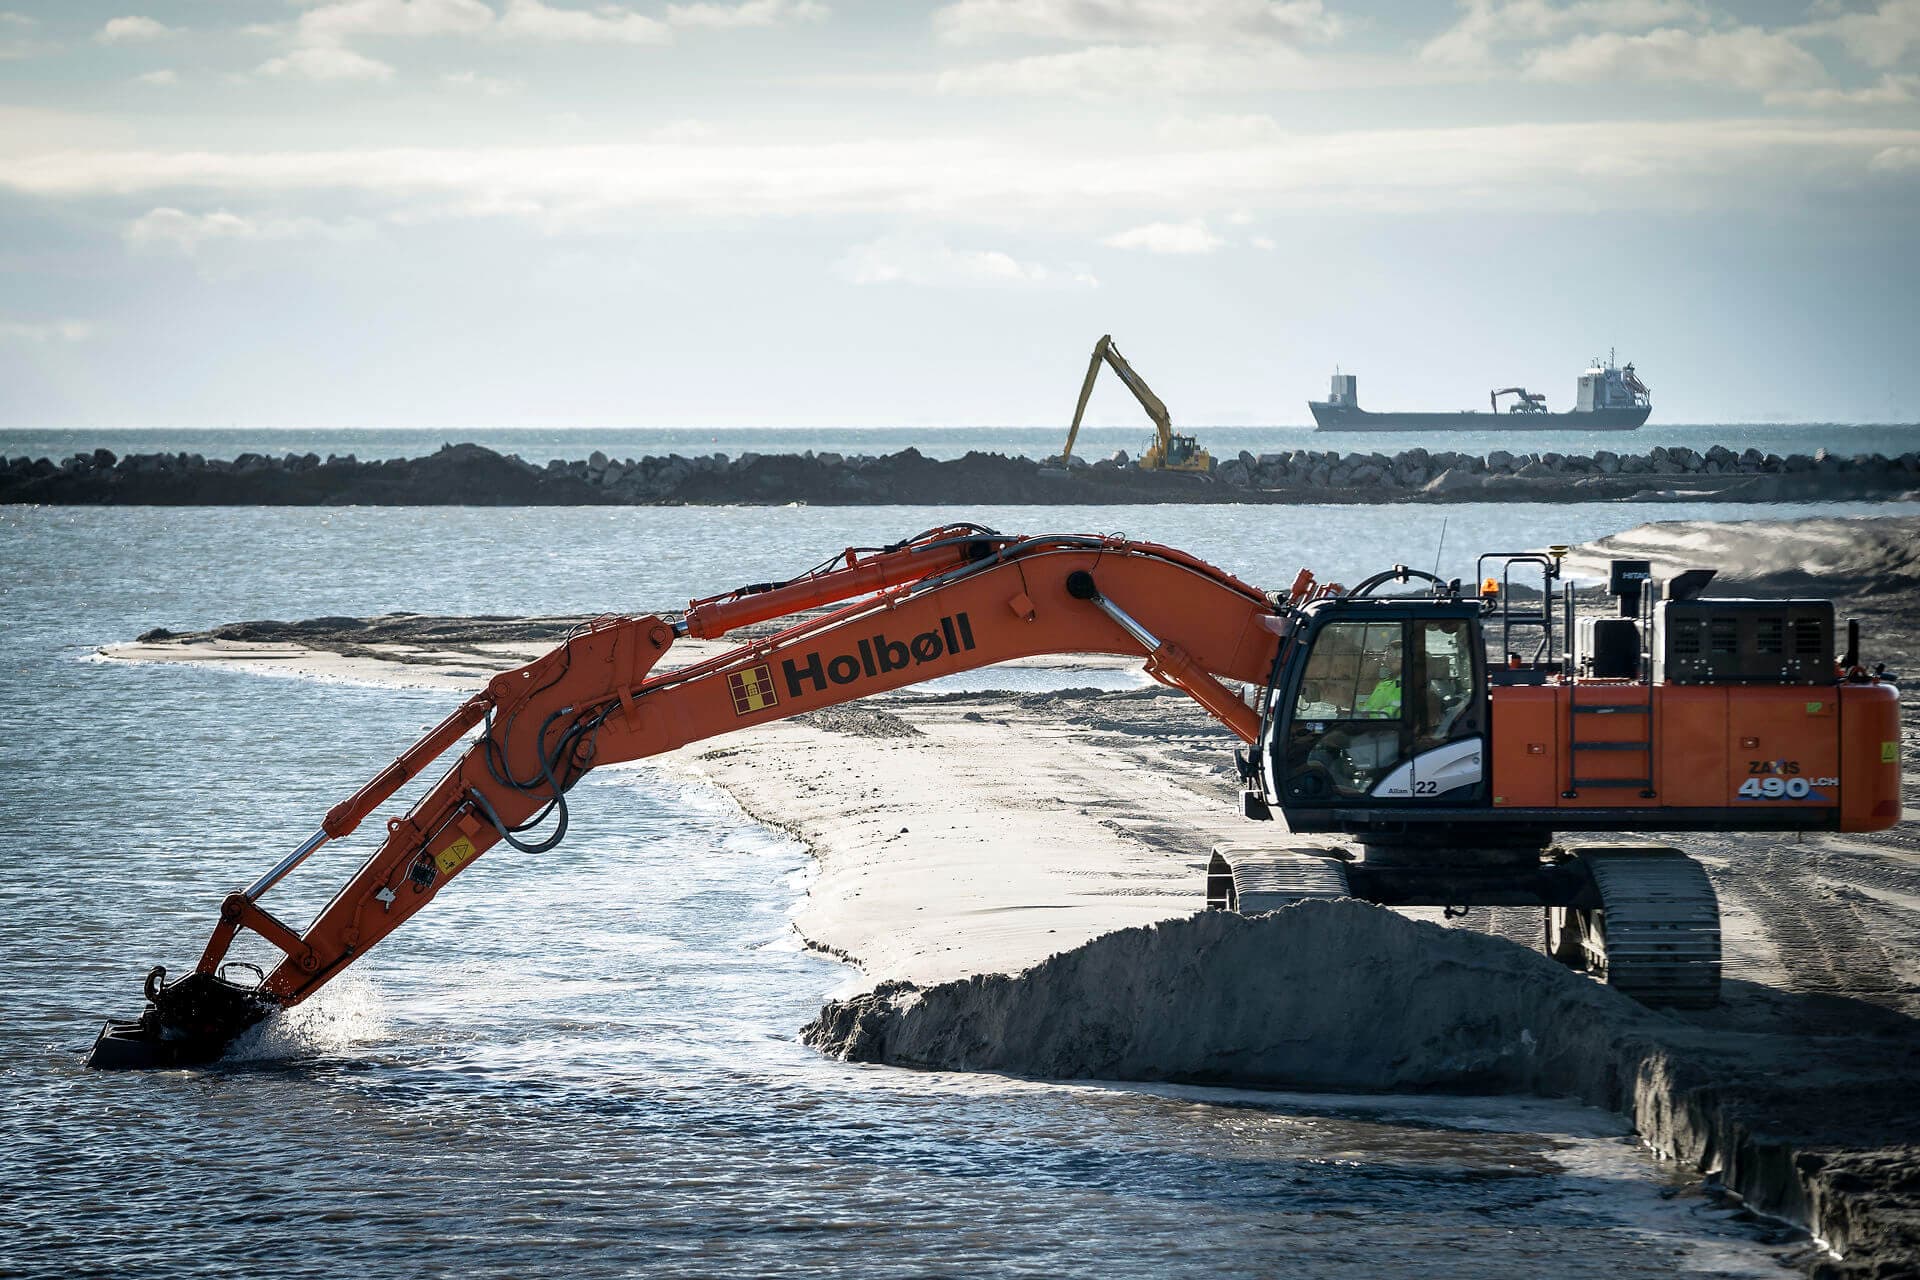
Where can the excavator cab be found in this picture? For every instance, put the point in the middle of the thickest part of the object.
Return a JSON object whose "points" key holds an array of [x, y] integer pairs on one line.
{"points": [[1381, 703], [1173, 452]]}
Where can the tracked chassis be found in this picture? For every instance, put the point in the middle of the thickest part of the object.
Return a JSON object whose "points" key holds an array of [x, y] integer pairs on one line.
{"points": [[1643, 919]]}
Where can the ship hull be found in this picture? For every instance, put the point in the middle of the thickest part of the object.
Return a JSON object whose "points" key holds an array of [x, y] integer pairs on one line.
{"points": [[1331, 417]]}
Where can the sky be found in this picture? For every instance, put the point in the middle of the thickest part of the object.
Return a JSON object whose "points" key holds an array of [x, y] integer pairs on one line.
{"points": [[550, 213]]}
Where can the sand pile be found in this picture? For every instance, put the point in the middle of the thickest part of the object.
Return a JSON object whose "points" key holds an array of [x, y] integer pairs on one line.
{"points": [[1323, 995]]}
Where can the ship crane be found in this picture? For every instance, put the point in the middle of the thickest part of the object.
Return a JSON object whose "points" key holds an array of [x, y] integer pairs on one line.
{"points": [[1371, 714]]}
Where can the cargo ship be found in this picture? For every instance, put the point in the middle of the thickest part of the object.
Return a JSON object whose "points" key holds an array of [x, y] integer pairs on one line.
{"points": [[1607, 398]]}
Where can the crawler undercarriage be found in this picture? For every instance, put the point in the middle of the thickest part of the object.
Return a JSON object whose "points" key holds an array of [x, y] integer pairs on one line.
{"points": [[1644, 919]]}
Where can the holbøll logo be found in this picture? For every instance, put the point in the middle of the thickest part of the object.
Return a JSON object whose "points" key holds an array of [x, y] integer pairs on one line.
{"points": [[878, 655]]}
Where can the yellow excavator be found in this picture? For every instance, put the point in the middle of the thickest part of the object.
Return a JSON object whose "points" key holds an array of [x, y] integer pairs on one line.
{"points": [[1168, 452]]}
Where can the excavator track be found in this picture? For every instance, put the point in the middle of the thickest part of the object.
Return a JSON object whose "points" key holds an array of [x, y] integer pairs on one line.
{"points": [[1656, 934], [1251, 879]]}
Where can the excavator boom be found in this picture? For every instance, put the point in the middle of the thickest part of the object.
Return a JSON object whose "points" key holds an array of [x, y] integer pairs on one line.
{"points": [[949, 600], [1168, 450]]}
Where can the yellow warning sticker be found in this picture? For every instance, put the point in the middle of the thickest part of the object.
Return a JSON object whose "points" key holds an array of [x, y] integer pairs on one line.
{"points": [[752, 690], [1889, 753], [454, 856]]}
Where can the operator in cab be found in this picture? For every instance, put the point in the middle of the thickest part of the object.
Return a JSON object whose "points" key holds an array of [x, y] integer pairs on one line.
{"points": [[1383, 703]]}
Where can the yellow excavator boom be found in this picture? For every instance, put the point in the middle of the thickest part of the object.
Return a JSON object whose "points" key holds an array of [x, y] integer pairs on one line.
{"points": [[1168, 451]]}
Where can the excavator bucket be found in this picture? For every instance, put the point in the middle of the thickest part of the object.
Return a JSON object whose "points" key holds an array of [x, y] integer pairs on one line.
{"points": [[187, 1024]]}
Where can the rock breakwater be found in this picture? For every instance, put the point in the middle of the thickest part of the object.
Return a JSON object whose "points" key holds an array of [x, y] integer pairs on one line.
{"points": [[471, 475]]}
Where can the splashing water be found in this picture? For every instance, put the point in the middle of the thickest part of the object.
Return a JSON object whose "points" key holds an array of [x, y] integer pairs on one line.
{"points": [[346, 1013]]}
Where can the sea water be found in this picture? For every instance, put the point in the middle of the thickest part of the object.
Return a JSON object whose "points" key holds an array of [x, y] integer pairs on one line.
{"points": [[585, 1062]]}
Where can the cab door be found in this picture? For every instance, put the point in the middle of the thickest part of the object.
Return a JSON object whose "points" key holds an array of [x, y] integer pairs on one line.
{"points": [[1349, 726], [1447, 713]]}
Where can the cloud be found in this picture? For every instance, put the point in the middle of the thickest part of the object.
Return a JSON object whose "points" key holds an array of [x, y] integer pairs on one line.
{"points": [[533, 20], [1896, 160], [1167, 237], [683, 131], [1033, 180], [492, 86], [1744, 58], [132, 30], [335, 23], [158, 79], [1136, 21], [1892, 90], [1121, 71], [340, 20], [1485, 23], [1135, 46], [929, 261], [45, 331], [1880, 37], [1265, 243], [748, 13], [13, 43], [176, 229], [1218, 130], [325, 63]]}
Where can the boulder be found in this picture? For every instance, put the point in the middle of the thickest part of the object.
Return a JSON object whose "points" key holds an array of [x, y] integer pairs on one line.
{"points": [[1454, 482]]}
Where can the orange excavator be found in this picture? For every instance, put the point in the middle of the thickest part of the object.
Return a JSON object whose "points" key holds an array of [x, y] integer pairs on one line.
{"points": [[1370, 714]]}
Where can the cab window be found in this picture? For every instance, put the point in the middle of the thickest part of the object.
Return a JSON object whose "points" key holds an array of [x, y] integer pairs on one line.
{"points": [[1445, 676], [1353, 673], [1350, 715]]}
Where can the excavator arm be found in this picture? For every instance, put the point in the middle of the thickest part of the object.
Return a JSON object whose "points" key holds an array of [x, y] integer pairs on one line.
{"points": [[1156, 409], [949, 600]]}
